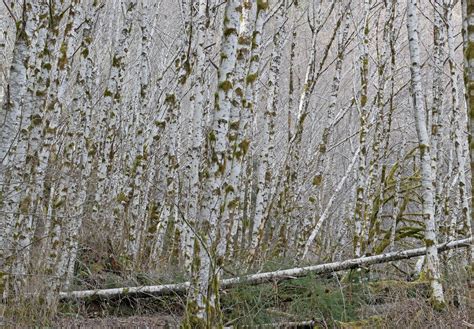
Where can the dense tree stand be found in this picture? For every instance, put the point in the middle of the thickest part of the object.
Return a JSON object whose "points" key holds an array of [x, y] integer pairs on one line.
{"points": [[195, 141]]}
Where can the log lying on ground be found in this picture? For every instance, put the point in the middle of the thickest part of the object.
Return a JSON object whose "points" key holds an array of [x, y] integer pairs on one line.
{"points": [[266, 277]]}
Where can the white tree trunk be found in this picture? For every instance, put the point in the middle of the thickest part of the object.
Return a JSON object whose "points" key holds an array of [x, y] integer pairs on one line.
{"points": [[240, 117], [205, 292], [196, 133], [360, 215], [266, 277], [432, 259], [267, 157]]}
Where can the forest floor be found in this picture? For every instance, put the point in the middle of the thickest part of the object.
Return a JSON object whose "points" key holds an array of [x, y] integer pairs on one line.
{"points": [[142, 322], [348, 300], [382, 304]]}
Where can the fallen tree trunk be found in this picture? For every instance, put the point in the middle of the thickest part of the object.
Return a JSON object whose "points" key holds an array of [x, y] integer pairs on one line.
{"points": [[268, 276]]}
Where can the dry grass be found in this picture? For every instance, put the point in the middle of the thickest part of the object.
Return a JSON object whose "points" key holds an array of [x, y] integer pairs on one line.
{"points": [[387, 301]]}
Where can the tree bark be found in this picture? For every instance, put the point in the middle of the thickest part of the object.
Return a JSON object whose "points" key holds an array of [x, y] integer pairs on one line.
{"points": [[432, 259], [468, 27], [260, 278]]}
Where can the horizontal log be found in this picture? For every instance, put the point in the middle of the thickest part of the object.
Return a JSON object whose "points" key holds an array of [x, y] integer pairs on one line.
{"points": [[267, 276]]}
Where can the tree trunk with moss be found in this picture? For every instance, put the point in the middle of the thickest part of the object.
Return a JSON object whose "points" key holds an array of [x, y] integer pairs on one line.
{"points": [[23, 200], [458, 123], [82, 107], [439, 40], [169, 177], [249, 83], [110, 121], [196, 133], [64, 221], [267, 157], [468, 27], [13, 129], [238, 138], [360, 214], [3, 56], [432, 259], [203, 306]]}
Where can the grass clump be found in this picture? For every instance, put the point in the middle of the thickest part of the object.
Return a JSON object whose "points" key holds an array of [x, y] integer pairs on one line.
{"points": [[309, 298]]}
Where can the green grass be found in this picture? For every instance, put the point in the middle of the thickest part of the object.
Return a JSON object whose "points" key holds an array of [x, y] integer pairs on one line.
{"points": [[294, 300]]}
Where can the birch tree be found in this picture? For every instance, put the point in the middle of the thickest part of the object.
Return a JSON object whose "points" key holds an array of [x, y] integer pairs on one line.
{"points": [[360, 215], [21, 195], [212, 138], [266, 159], [196, 131], [239, 124], [432, 259], [204, 305]]}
